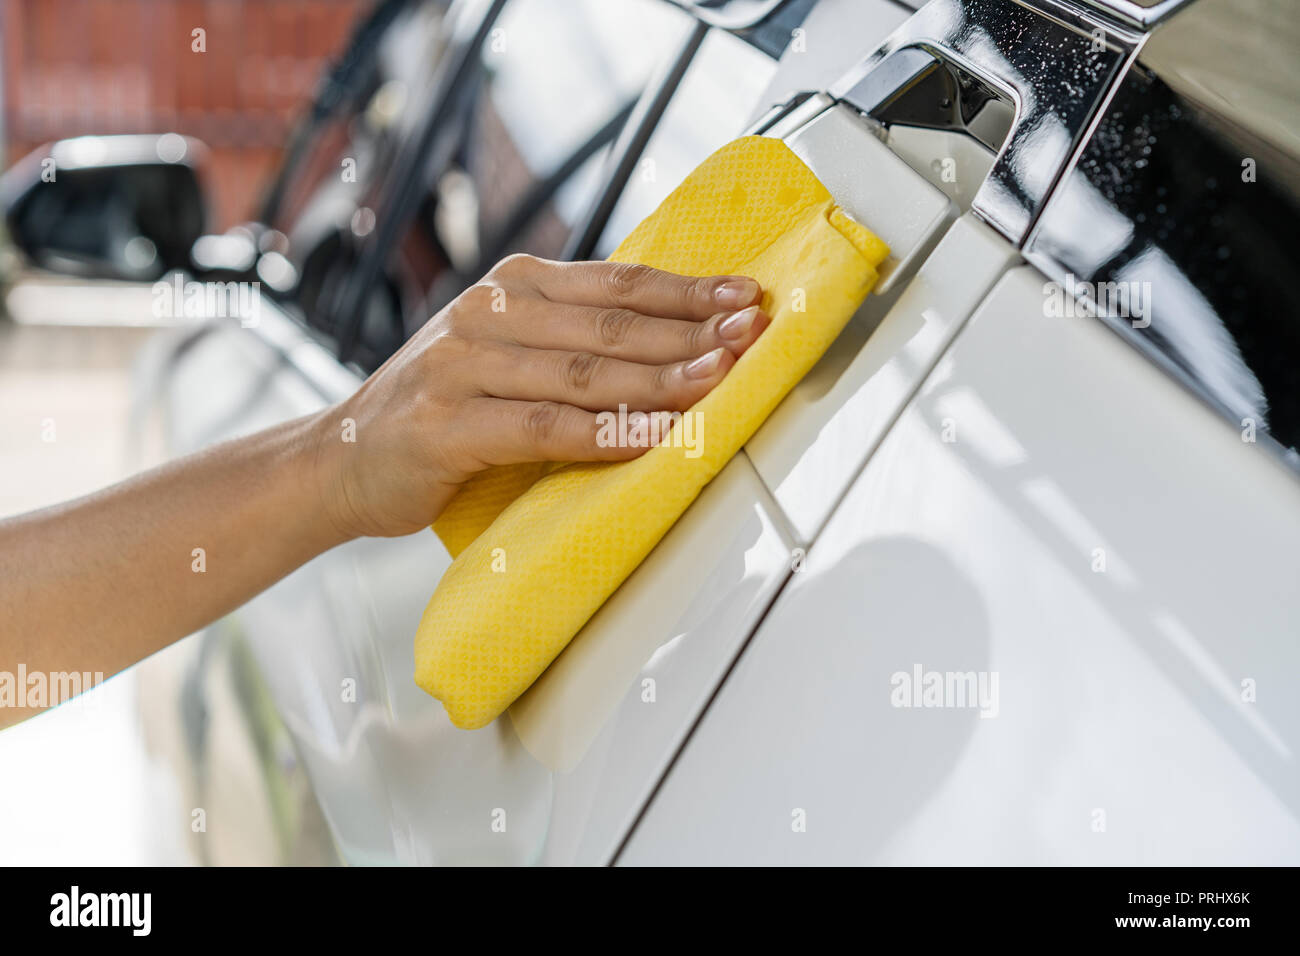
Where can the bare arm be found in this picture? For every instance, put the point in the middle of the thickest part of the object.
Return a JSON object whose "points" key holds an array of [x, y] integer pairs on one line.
{"points": [[514, 370]]}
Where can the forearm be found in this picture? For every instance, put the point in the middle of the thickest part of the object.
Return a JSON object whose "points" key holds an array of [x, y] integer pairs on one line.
{"points": [[98, 583]]}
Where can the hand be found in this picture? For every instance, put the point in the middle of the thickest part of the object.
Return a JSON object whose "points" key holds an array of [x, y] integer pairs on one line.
{"points": [[516, 369]]}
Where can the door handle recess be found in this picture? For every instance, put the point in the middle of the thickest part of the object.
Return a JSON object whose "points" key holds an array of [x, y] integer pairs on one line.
{"points": [[1032, 77]]}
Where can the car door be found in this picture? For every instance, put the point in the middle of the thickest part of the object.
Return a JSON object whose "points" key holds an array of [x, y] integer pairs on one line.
{"points": [[1053, 618]]}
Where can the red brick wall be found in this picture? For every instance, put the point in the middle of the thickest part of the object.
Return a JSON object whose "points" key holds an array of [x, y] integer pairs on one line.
{"points": [[126, 66]]}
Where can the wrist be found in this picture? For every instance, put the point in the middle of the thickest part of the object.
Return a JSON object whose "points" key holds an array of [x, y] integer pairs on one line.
{"points": [[323, 466]]}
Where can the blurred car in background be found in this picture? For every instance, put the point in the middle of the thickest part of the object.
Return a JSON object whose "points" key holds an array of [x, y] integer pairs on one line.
{"points": [[1048, 473]]}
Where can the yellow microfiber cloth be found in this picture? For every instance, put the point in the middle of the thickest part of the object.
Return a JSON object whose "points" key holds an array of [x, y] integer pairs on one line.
{"points": [[539, 547]]}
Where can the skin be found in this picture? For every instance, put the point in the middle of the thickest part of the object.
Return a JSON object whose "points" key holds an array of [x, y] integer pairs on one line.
{"points": [[515, 369]]}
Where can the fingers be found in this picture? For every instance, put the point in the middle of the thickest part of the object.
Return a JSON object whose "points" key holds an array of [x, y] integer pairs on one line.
{"points": [[628, 335], [596, 382], [642, 289], [536, 355], [507, 432]]}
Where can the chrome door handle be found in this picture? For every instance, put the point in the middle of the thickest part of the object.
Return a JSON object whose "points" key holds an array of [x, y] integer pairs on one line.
{"points": [[1053, 64]]}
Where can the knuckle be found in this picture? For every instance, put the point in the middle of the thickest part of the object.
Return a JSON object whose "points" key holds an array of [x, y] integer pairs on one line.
{"points": [[625, 279], [445, 345], [448, 353], [665, 380], [700, 336], [517, 264], [613, 326], [579, 369], [475, 300], [699, 290], [542, 422], [451, 343]]}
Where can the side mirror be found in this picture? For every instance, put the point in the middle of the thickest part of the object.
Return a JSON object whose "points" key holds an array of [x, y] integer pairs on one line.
{"points": [[124, 207]]}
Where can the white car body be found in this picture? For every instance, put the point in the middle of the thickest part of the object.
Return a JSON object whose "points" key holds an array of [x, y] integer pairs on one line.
{"points": [[989, 587]]}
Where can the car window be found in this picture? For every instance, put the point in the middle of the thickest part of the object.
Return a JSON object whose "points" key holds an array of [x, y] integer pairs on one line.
{"points": [[519, 157], [1190, 243], [716, 96], [557, 73]]}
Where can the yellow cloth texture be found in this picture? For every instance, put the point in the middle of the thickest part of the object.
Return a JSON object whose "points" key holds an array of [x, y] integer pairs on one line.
{"points": [[538, 548]]}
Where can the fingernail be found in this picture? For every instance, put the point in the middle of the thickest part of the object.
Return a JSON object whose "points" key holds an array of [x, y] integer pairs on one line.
{"points": [[736, 326], [705, 365], [736, 293]]}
